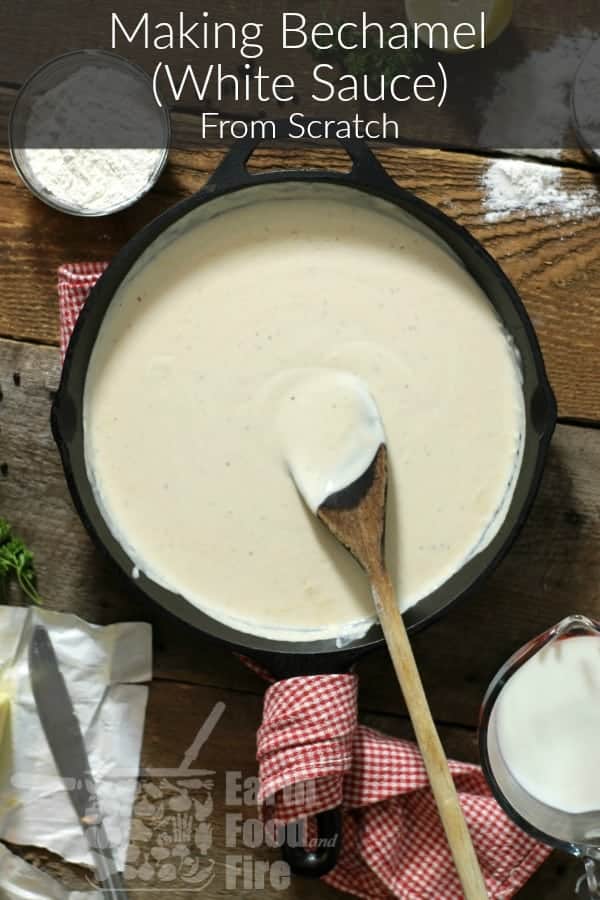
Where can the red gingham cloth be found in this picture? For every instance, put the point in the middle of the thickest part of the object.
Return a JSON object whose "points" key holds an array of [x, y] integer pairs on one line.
{"points": [[75, 281], [313, 755], [393, 842]]}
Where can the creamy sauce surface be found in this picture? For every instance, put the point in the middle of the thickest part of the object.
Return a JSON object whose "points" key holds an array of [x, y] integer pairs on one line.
{"points": [[191, 378], [548, 721]]}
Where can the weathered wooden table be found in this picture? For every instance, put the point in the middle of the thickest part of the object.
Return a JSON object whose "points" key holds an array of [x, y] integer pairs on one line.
{"points": [[553, 570]]}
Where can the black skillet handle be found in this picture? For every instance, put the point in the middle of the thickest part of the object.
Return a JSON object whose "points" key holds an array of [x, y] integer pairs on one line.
{"points": [[543, 411], [318, 861], [366, 168], [314, 863]]}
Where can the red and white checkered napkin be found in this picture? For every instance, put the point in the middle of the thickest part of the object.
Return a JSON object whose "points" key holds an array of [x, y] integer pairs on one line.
{"points": [[75, 281], [393, 843]]}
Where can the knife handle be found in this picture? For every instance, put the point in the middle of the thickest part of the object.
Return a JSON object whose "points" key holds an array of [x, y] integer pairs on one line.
{"points": [[110, 881], [114, 887]]}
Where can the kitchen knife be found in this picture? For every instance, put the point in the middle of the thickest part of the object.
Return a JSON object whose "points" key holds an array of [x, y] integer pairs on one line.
{"points": [[64, 737]]}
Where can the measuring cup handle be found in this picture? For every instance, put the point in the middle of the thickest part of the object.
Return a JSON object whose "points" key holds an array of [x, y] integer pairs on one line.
{"points": [[588, 887]]}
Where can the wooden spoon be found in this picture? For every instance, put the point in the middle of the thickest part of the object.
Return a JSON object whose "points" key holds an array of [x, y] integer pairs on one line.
{"points": [[355, 515]]}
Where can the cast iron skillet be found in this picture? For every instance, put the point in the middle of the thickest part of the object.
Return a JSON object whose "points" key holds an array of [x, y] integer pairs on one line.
{"points": [[311, 657]]}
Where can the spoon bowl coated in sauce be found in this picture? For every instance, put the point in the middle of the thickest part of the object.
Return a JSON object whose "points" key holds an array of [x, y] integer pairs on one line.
{"points": [[331, 430]]}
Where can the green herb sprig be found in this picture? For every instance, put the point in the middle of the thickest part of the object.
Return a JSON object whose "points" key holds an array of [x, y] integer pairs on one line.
{"points": [[371, 60], [16, 563]]}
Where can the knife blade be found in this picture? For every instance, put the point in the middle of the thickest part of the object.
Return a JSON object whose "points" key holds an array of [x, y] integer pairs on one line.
{"points": [[63, 733]]}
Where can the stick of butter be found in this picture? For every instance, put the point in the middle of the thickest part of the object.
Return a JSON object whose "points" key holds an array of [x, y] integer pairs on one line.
{"points": [[7, 799], [4, 714]]}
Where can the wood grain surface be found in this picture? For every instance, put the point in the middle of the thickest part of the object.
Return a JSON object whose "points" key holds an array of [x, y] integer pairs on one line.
{"points": [[553, 569], [554, 262]]}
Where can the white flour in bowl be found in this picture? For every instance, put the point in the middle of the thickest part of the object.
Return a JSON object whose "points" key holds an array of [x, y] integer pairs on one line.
{"points": [[90, 178], [66, 126]]}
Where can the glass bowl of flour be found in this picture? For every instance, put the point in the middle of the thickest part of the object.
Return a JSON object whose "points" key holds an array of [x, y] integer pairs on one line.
{"points": [[87, 135]]}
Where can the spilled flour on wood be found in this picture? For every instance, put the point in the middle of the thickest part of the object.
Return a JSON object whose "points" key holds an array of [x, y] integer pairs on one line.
{"points": [[520, 187], [534, 99]]}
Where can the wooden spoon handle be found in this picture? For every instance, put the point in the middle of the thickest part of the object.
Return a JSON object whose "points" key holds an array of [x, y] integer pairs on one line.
{"points": [[428, 739]]}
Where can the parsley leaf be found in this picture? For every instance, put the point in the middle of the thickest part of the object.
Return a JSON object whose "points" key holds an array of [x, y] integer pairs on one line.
{"points": [[16, 563]]}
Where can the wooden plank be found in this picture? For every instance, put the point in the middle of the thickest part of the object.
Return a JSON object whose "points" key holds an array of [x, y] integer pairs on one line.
{"points": [[175, 713], [553, 261], [553, 570]]}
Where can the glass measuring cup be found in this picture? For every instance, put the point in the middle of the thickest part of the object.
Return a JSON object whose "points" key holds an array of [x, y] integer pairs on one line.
{"points": [[577, 833]]}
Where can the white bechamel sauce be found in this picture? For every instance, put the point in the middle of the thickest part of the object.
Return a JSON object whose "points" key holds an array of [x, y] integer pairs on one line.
{"points": [[188, 378], [330, 431], [548, 724]]}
